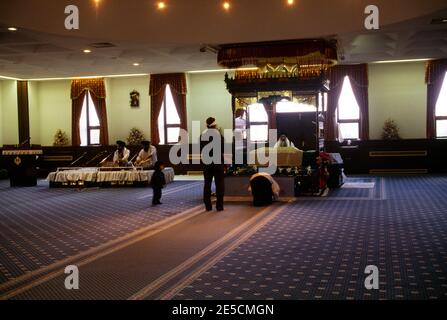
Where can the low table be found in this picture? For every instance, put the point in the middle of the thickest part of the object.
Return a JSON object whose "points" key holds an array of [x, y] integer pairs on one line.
{"points": [[103, 177]]}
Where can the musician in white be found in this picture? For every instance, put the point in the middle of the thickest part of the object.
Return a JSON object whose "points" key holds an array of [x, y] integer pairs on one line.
{"points": [[147, 156], [121, 156], [284, 142]]}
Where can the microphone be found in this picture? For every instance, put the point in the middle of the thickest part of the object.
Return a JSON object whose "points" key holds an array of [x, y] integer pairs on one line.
{"points": [[78, 159]]}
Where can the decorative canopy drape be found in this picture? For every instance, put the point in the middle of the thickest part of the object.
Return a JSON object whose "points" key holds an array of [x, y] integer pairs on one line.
{"points": [[434, 76], [157, 90], [313, 51], [358, 75], [96, 87]]}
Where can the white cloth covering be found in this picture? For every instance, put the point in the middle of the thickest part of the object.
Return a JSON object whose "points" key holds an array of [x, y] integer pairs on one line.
{"points": [[147, 159], [124, 157], [284, 144], [95, 175]]}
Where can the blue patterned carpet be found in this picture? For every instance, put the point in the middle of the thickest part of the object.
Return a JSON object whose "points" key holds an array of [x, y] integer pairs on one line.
{"points": [[40, 226], [318, 249]]}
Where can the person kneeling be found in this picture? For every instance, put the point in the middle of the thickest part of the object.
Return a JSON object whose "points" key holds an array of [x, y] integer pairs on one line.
{"points": [[158, 181], [264, 189]]}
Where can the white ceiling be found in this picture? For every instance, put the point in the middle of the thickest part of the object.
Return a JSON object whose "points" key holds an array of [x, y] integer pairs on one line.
{"points": [[170, 41]]}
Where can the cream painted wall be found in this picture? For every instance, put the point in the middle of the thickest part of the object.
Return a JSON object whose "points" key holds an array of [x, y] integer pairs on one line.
{"points": [[10, 118], [398, 91], [54, 105], [208, 97], [34, 112], [121, 117]]}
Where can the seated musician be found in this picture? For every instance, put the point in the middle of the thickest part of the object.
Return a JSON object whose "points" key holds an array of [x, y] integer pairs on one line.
{"points": [[121, 156], [147, 156], [284, 142]]}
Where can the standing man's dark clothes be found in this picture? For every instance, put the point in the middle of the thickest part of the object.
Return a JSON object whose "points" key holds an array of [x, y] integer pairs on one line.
{"points": [[158, 181], [215, 170]]}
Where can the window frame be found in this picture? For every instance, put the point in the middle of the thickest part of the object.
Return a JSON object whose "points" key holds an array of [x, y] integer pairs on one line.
{"points": [[347, 121], [90, 127], [166, 126], [256, 123], [438, 118]]}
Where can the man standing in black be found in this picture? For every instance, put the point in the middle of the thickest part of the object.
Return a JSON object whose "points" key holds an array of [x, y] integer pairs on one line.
{"points": [[212, 156]]}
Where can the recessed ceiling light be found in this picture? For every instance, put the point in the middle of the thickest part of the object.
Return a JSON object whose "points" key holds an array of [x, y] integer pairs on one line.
{"points": [[290, 2], [12, 29], [87, 51], [161, 5], [226, 5], [136, 64]]}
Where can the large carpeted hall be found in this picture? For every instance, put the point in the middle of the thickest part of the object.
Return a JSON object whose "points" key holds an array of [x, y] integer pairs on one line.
{"points": [[255, 151]]}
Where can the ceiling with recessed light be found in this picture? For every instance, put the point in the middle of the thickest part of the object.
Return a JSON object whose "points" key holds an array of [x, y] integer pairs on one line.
{"points": [[129, 37]]}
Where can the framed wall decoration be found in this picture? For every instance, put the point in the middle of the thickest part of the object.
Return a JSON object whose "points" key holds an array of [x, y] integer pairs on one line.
{"points": [[134, 99]]}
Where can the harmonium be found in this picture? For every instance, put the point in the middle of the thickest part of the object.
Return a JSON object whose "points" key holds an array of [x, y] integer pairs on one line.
{"points": [[21, 164]]}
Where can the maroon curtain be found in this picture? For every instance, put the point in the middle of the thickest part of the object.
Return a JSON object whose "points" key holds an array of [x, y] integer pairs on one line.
{"points": [[156, 103], [76, 111], [270, 108], [100, 106], [358, 75], [331, 127], [434, 75], [79, 88], [157, 88]]}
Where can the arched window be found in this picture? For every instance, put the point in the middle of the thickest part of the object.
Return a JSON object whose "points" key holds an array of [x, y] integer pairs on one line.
{"points": [[259, 123], [348, 113], [168, 120], [89, 125], [441, 111]]}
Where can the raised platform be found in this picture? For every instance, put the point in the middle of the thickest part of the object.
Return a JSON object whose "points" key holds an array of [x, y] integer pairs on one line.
{"points": [[104, 177]]}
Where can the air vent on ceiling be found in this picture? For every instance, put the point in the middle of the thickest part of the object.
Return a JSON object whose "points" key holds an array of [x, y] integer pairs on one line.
{"points": [[101, 45], [439, 21]]}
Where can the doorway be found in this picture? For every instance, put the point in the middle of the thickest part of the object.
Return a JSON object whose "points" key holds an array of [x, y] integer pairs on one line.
{"points": [[300, 128]]}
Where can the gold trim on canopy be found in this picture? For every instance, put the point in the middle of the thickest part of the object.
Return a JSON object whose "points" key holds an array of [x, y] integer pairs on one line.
{"points": [[318, 52]]}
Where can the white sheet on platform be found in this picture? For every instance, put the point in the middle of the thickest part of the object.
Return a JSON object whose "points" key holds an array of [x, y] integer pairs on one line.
{"points": [[95, 175]]}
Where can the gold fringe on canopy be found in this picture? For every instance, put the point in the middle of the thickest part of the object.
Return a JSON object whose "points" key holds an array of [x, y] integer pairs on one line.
{"points": [[295, 52]]}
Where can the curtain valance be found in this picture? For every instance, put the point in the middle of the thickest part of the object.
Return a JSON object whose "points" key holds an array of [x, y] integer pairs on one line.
{"points": [[177, 82], [96, 87]]}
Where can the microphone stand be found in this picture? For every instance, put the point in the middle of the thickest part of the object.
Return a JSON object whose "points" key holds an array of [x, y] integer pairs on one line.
{"points": [[95, 157], [105, 159], [78, 159]]}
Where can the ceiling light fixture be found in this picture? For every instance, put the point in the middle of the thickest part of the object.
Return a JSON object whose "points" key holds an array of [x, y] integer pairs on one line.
{"points": [[136, 64], [226, 5], [87, 51], [290, 2], [161, 5], [12, 29]]}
